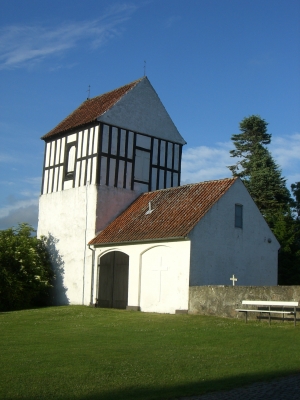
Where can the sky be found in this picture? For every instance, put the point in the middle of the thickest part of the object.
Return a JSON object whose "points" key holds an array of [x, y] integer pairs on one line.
{"points": [[211, 62]]}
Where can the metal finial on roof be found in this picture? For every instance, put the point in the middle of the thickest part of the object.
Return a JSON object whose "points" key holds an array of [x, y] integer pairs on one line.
{"points": [[89, 92], [150, 209], [145, 62]]}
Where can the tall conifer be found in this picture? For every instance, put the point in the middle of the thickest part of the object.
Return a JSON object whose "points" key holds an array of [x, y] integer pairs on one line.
{"points": [[262, 177], [257, 168]]}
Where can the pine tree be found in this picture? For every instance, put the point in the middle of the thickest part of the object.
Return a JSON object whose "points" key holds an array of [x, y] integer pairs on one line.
{"points": [[253, 135], [262, 177], [257, 168], [296, 192]]}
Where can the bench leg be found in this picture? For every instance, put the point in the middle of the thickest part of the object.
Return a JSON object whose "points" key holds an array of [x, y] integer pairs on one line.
{"points": [[269, 316], [246, 314], [295, 316]]}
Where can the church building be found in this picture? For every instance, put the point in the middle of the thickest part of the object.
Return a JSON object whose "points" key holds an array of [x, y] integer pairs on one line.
{"points": [[124, 233]]}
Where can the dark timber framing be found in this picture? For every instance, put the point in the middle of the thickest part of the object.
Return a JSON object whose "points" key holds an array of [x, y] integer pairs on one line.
{"points": [[115, 162], [126, 156], [43, 175], [133, 162]]}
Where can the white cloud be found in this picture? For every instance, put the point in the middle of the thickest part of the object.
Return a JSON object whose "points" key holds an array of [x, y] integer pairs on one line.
{"points": [[26, 45], [286, 150], [16, 216], [205, 163], [20, 204]]}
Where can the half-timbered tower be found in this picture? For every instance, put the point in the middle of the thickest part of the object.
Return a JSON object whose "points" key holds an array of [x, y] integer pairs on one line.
{"points": [[97, 161]]}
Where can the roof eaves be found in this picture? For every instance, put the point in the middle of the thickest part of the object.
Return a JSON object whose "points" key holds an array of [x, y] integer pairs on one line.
{"points": [[166, 239]]}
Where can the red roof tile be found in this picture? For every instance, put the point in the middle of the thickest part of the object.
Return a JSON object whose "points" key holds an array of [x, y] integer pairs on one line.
{"points": [[175, 213], [91, 109]]}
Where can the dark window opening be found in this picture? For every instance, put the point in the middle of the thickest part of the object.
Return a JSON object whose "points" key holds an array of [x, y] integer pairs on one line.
{"points": [[70, 161]]}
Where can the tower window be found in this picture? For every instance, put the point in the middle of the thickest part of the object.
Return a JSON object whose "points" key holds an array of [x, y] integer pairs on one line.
{"points": [[238, 216], [70, 161]]}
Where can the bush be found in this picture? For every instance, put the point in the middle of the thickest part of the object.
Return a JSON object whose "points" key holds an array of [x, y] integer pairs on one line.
{"points": [[25, 269]]}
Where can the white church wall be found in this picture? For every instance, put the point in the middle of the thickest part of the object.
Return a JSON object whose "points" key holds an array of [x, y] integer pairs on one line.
{"points": [[219, 249], [136, 111], [111, 201], [68, 217], [158, 275], [164, 278]]}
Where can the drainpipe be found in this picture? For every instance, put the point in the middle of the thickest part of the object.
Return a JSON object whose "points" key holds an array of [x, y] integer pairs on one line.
{"points": [[85, 239], [92, 277]]}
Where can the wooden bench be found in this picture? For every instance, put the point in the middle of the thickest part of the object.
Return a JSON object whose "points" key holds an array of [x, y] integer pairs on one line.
{"points": [[269, 304]]}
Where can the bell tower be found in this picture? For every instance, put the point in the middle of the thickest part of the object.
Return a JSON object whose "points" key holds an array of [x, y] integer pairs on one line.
{"points": [[97, 161]]}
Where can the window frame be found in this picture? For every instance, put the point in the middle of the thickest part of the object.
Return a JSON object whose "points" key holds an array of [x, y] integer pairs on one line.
{"points": [[69, 175]]}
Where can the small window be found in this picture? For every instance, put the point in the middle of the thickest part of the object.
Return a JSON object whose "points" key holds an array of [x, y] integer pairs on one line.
{"points": [[142, 166], [238, 216], [70, 161]]}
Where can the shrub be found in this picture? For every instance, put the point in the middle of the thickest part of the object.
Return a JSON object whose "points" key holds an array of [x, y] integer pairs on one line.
{"points": [[25, 269]]}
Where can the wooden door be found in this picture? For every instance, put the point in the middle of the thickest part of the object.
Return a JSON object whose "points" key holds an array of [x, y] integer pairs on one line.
{"points": [[113, 280]]}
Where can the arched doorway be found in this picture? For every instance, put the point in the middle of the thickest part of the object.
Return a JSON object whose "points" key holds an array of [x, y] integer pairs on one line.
{"points": [[113, 280]]}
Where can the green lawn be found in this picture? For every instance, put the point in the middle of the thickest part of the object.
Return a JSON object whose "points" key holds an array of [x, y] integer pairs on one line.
{"points": [[79, 352]]}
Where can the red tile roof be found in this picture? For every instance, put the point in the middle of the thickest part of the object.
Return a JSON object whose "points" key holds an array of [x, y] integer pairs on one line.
{"points": [[91, 109], [175, 213]]}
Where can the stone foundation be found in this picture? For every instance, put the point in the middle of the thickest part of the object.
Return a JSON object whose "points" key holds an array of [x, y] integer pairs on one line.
{"points": [[223, 300]]}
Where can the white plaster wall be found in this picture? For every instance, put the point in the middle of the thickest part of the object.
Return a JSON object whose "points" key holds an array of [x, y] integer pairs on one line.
{"points": [[63, 215], [73, 217], [142, 111], [219, 250], [111, 201], [148, 288]]}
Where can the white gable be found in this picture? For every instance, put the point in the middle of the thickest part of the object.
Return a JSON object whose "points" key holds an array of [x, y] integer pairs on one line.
{"points": [[142, 111], [219, 249]]}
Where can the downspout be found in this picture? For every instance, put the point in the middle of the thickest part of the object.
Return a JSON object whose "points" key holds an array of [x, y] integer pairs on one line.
{"points": [[85, 239], [92, 277]]}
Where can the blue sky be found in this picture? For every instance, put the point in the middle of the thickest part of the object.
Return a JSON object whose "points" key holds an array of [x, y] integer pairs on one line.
{"points": [[212, 63]]}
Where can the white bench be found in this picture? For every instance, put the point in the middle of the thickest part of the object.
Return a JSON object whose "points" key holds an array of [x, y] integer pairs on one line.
{"points": [[269, 304]]}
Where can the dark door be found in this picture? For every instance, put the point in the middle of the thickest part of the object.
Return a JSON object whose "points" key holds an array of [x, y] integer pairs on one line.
{"points": [[113, 280]]}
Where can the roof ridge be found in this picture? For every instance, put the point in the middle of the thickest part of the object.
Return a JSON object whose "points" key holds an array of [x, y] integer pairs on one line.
{"points": [[118, 88], [190, 184], [89, 110], [176, 212]]}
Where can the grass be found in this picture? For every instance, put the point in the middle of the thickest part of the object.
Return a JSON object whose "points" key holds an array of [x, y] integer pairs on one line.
{"points": [[85, 353]]}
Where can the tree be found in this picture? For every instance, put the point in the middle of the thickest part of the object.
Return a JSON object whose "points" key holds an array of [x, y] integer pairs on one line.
{"points": [[257, 168], [253, 135], [296, 192], [286, 229], [25, 269], [262, 177]]}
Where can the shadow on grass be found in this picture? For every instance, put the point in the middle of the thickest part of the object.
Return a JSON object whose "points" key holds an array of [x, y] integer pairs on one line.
{"points": [[173, 392]]}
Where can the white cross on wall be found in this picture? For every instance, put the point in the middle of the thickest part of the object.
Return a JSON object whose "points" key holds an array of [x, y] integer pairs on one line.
{"points": [[233, 279], [160, 268]]}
